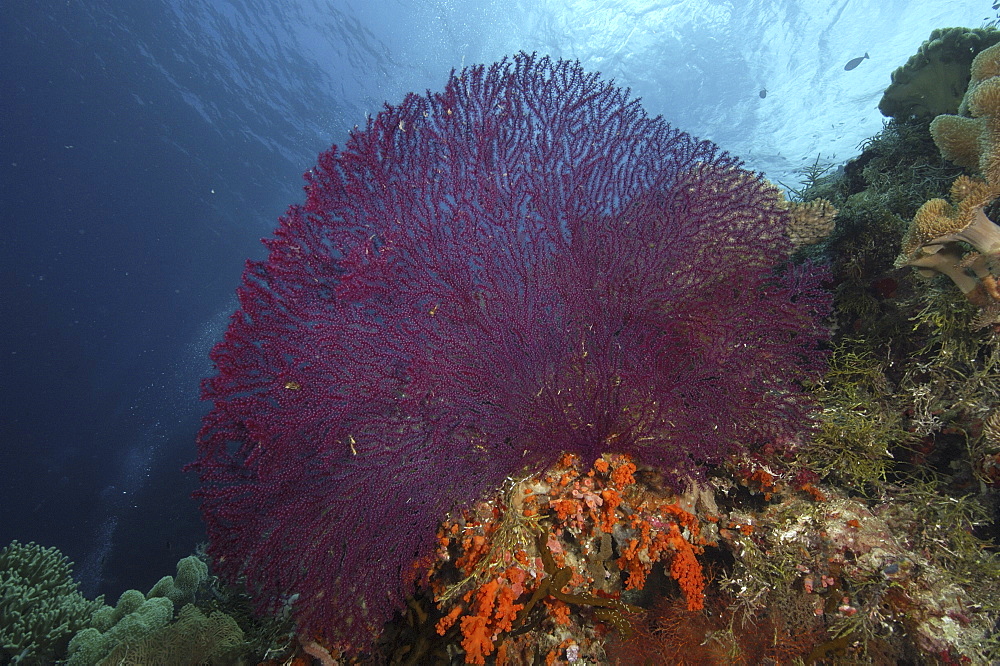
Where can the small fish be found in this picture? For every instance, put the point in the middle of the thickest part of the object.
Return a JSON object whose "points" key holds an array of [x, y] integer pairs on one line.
{"points": [[763, 93], [854, 62]]}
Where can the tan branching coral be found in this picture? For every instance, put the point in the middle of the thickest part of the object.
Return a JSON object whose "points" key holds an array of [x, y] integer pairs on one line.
{"points": [[812, 221]]}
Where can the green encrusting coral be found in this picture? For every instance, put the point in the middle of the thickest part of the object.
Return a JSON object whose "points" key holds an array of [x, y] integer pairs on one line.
{"points": [[133, 618], [40, 604], [181, 589], [193, 638], [933, 80]]}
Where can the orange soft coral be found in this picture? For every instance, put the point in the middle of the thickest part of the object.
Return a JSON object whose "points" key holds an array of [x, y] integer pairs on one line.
{"points": [[649, 546], [571, 563], [636, 560], [506, 610], [558, 610], [568, 508], [685, 569], [445, 623], [476, 639], [611, 500], [475, 548], [492, 610], [477, 635], [685, 519], [623, 475]]}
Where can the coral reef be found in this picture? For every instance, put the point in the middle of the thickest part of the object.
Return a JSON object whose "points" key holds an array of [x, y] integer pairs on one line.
{"points": [[852, 563], [766, 560], [461, 396], [905, 457], [522, 265], [40, 605], [495, 402], [761, 561]]}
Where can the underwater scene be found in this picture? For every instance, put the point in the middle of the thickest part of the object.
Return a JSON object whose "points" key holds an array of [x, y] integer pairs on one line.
{"points": [[581, 332]]}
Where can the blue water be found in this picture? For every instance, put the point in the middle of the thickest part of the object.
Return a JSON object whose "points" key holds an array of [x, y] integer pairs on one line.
{"points": [[148, 146]]}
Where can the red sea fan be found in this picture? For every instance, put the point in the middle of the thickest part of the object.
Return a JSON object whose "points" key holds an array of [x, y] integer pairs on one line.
{"points": [[482, 278]]}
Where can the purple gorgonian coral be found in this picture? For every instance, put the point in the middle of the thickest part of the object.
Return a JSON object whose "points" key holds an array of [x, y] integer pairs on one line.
{"points": [[480, 279]]}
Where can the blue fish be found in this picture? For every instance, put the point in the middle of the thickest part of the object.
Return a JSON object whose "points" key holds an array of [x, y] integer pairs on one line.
{"points": [[854, 62], [763, 93]]}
